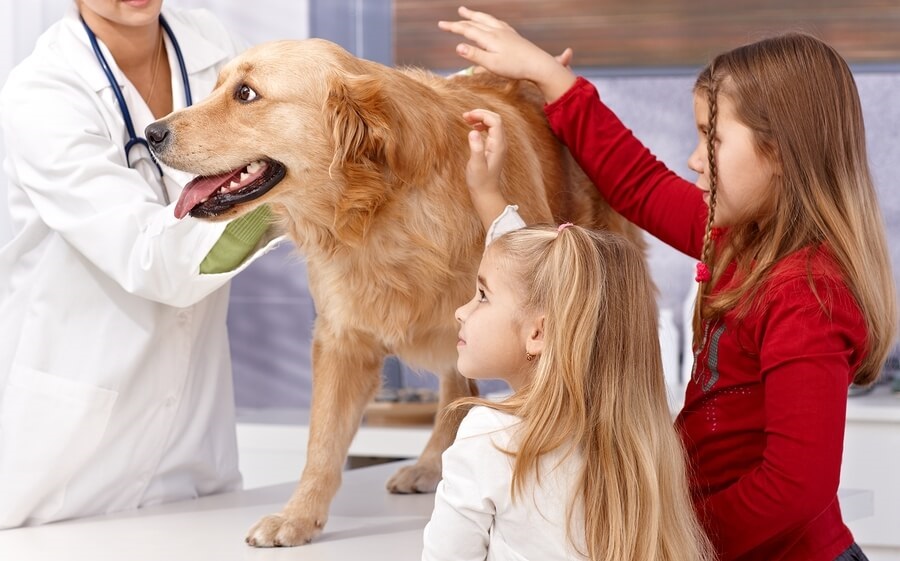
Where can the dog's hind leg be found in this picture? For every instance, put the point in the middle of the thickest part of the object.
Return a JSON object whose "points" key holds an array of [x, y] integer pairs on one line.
{"points": [[423, 476], [346, 375]]}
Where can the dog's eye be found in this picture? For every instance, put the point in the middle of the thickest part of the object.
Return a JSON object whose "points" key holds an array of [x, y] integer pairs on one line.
{"points": [[246, 93]]}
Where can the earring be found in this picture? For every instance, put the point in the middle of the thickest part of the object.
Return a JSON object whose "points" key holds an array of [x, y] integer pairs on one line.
{"points": [[528, 356]]}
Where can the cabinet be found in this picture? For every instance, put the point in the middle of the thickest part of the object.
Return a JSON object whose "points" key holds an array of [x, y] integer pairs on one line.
{"points": [[872, 461]]}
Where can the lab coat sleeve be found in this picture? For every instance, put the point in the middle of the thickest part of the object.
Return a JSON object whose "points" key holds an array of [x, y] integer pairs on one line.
{"points": [[475, 480], [60, 152]]}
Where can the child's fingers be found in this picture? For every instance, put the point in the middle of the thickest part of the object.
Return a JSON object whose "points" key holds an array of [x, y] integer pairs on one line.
{"points": [[493, 122], [475, 119], [480, 17], [472, 116], [465, 28], [477, 167], [475, 32], [481, 116], [484, 120], [473, 54], [476, 146], [565, 58], [482, 51], [489, 118]]}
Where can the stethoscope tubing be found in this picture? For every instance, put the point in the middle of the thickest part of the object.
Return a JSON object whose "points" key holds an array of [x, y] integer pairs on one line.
{"points": [[133, 138]]}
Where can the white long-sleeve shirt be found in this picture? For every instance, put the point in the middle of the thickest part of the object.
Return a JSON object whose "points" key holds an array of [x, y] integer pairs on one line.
{"points": [[474, 516]]}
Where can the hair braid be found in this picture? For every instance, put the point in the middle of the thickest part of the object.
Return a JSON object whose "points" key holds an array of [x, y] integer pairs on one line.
{"points": [[708, 249]]}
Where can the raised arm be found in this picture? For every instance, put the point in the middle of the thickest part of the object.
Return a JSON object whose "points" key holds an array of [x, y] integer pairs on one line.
{"points": [[487, 152], [631, 179]]}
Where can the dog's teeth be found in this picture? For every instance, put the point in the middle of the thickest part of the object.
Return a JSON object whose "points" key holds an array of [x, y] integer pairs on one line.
{"points": [[253, 167], [204, 200], [234, 184], [222, 191], [244, 175]]}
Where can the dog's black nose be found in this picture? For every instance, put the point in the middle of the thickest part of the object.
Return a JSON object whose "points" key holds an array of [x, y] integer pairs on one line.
{"points": [[157, 135]]}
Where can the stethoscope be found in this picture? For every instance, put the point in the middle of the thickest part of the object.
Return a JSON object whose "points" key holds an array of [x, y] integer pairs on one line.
{"points": [[134, 139]]}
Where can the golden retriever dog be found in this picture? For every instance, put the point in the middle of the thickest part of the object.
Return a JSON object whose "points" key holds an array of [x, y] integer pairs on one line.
{"points": [[364, 167]]}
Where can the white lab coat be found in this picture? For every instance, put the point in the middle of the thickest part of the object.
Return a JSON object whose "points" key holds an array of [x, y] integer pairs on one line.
{"points": [[115, 375]]}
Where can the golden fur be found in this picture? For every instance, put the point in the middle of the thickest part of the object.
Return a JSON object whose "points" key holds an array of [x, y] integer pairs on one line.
{"points": [[375, 198]]}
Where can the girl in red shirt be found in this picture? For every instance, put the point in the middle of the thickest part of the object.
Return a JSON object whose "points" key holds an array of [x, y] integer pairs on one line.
{"points": [[796, 297]]}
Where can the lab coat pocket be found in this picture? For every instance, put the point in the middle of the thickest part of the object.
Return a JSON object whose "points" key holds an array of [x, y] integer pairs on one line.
{"points": [[49, 428]]}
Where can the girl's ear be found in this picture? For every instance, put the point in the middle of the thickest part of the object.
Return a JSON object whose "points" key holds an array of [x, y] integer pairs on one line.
{"points": [[534, 329]]}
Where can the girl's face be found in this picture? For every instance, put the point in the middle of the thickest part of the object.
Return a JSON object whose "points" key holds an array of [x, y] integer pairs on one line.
{"points": [[128, 13], [745, 178], [492, 333]]}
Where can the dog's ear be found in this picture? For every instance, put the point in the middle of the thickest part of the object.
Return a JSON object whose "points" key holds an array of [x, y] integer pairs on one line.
{"points": [[359, 114]]}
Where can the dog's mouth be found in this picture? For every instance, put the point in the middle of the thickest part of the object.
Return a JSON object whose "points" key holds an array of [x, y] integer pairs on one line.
{"points": [[207, 196]]}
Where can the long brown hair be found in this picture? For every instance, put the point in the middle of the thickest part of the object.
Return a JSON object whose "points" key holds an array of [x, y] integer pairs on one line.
{"points": [[598, 390], [799, 98]]}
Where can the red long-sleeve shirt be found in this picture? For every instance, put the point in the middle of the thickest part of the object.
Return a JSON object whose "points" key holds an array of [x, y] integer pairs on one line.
{"points": [[763, 420]]}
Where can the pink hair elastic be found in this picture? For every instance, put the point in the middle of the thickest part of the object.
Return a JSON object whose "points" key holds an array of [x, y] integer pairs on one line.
{"points": [[564, 226], [703, 274]]}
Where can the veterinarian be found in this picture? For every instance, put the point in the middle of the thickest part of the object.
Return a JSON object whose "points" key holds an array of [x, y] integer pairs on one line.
{"points": [[795, 298], [115, 374]]}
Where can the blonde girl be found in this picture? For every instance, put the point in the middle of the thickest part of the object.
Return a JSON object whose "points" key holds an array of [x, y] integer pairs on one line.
{"points": [[582, 461], [796, 299]]}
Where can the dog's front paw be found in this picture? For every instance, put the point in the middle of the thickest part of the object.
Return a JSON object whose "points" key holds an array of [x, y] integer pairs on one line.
{"points": [[421, 477], [277, 530]]}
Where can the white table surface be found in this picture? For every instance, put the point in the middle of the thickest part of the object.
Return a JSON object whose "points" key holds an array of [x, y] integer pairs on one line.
{"points": [[366, 523]]}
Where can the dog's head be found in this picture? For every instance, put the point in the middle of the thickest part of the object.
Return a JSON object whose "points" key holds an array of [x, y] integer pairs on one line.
{"points": [[288, 122]]}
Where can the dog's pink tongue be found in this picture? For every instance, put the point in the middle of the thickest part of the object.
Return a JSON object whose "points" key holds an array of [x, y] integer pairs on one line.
{"points": [[201, 188]]}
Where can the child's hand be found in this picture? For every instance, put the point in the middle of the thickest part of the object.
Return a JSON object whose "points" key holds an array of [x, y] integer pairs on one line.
{"points": [[564, 58], [487, 152], [501, 50]]}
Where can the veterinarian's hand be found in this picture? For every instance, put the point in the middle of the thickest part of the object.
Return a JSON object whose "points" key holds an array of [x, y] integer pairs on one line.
{"points": [[487, 152], [500, 49]]}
